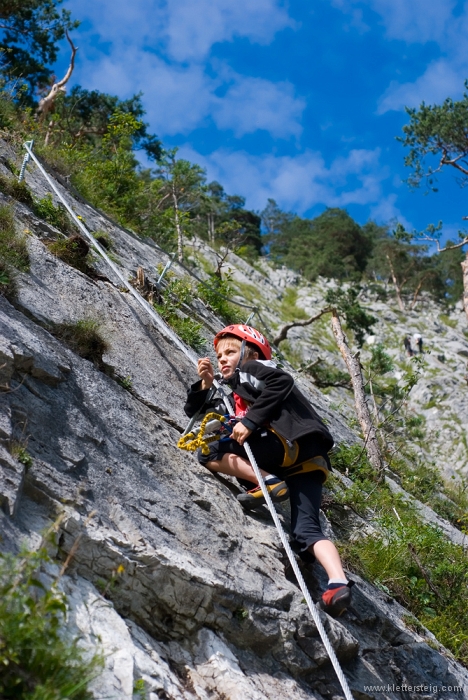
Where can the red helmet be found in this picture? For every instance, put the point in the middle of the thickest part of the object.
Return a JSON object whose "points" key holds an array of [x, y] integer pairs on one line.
{"points": [[249, 334]]}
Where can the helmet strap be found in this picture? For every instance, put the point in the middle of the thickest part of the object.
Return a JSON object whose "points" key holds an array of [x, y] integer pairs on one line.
{"points": [[241, 356]]}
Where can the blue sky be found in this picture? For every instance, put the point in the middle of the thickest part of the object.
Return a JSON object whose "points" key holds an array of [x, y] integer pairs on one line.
{"points": [[296, 101]]}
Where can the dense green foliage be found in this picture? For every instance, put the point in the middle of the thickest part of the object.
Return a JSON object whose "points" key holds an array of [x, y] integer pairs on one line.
{"points": [[83, 115], [346, 301], [437, 137], [216, 293], [331, 245], [38, 662], [175, 296]]}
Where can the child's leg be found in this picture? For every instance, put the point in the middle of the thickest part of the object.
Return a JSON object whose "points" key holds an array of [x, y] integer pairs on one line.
{"points": [[233, 465], [306, 495], [327, 555]]}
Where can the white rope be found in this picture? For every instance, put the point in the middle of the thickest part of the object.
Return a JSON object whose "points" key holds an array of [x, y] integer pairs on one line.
{"points": [[169, 333], [166, 330], [300, 579]]}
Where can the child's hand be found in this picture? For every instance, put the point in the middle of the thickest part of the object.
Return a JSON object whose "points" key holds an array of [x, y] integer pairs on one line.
{"points": [[205, 372], [240, 433]]}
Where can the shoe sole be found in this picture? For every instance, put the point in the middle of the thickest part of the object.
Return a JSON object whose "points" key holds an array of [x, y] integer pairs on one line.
{"points": [[250, 502], [339, 605]]}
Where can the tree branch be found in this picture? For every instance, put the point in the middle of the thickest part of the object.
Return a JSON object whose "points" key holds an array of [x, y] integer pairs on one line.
{"points": [[449, 247], [362, 410], [283, 333]]}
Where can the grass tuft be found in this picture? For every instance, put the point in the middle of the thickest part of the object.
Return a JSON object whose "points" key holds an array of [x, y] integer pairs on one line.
{"points": [[18, 190], [13, 251], [73, 251], [85, 338]]}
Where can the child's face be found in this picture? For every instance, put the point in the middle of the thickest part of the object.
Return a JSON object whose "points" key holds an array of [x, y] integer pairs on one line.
{"points": [[228, 354]]}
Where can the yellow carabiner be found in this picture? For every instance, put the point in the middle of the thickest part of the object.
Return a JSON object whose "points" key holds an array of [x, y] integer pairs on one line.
{"points": [[192, 441]]}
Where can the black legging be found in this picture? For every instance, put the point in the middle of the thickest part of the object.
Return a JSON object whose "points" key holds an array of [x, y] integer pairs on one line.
{"points": [[305, 490]]}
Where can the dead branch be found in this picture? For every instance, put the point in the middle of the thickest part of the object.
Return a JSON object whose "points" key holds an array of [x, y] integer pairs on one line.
{"points": [[424, 572], [282, 335], [448, 247], [418, 288], [354, 368], [47, 102], [395, 284]]}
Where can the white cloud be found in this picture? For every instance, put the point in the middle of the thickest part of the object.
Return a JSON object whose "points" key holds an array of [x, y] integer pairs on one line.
{"points": [[179, 99], [410, 20], [385, 211], [194, 26], [420, 21], [160, 47], [296, 183], [253, 103], [440, 80], [185, 30]]}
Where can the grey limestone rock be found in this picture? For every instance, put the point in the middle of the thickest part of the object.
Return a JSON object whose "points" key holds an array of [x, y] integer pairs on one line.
{"points": [[197, 600]]}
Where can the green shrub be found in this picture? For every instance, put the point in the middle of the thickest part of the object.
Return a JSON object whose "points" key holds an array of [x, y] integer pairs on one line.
{"points": [[380, 362], [56, 215], [18, 451], [326, 375], [37, 659], [213, 293], [177, 293], [85, 338], [104, 239]]}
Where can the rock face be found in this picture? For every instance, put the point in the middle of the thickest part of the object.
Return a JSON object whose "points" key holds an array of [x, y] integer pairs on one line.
{"points": [[196, 602]]}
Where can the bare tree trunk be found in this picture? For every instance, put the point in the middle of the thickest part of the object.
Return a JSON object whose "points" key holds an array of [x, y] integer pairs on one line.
{"points": [[362, 410], [211, 227], [180, 240], [283, 333], [396, 285], [465, 284], [47, 102]]}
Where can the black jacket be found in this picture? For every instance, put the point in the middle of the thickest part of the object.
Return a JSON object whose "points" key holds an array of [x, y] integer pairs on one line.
{"points": [[274, 399]]}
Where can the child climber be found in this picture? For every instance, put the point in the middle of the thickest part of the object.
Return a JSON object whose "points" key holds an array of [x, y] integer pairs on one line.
{"points": [[287, 437]]}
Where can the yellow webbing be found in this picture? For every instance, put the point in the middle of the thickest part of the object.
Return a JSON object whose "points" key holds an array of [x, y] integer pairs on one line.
{"points": [[192, 442]]}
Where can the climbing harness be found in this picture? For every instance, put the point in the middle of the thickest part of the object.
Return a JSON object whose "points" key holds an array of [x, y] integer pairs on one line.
{"points": [[169, 333], [215, 423]]}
